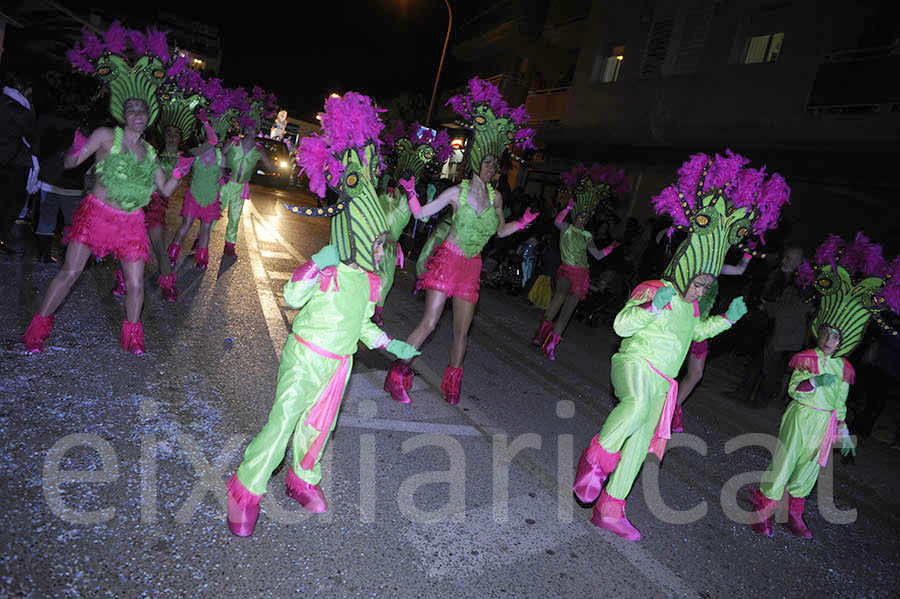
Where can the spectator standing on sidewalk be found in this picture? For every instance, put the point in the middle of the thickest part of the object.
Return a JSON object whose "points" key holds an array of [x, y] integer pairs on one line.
{"points": [[19, 149]]}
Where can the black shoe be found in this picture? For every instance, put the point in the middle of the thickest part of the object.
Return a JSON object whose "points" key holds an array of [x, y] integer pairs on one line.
{"points": [[44, 244], [6, 249]]}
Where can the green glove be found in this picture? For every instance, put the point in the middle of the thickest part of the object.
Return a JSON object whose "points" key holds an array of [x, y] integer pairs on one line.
{"points": [[430, 191], [824, 380], [402, 349], [327, 256], [662, 297], [736, 309], [847, 446]]}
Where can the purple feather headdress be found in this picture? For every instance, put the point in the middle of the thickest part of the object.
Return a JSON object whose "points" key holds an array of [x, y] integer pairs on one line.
{"points": [[597, 173], [743, 186], [349, 121], [419, 135], [485, 93]]}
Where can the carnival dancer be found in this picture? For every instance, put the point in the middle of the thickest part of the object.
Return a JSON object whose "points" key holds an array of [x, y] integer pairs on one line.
{"points": [[176, 125], [201, 198], [454, 270], [242, 154], [720, 202], [855, 283], [336, 293], [588, 189], [109, 220], [412, 150]]}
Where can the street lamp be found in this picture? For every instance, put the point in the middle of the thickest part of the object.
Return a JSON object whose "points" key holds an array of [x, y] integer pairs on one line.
{"points": [[441, 64]]}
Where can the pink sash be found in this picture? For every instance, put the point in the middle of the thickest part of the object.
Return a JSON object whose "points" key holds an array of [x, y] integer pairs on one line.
{"points": [[830, 435], [245, 194], [322, 416], [664, 429]]}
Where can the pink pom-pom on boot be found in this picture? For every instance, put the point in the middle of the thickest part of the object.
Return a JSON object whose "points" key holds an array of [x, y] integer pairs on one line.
{"points": [[550, 344], [609, 513], [398, 381], [796, 524], [451, 384], [243, 508], [132, 338], [677, 424], [311, 497], [763, 508], [541, 334], [168, 287], [376, 316], [201, 258], [173, 251], [594, 466], [119, 290], [37, 332], [229, 250]]}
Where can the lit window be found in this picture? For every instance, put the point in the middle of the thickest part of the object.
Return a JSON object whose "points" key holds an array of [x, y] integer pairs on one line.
{"points": [[763, 48], [606, 68]]}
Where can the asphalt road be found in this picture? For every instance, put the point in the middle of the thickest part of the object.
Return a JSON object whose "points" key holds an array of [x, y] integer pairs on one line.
{"points": [[114, 466]]}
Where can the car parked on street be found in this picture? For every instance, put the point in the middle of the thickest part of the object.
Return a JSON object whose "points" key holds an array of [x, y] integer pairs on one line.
{"points": [[280, 157]]}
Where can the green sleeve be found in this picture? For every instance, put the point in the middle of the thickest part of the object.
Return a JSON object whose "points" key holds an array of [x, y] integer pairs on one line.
{"points": [[633, 318], [797, 377], [298, 290], [710, 327], [398, 216], [369, 333]]}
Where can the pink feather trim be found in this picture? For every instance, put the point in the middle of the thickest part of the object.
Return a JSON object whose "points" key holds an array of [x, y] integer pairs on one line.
{"points": [[807, 360]]}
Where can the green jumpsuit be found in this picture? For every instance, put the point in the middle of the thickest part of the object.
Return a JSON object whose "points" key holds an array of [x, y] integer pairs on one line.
{"points": [[233, 193], [396, 209]]}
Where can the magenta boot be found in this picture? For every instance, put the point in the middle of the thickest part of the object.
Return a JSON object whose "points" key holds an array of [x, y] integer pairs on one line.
{"points": [[309, 496], [229, 250], [796, 524], [594, 466], [609, 513], [677, 424], [451, 383], [376, 317], [37, 332], [201, 258], [550, 344], [763, 508], [168, 288], [172, 252], [541, 334], [132, 338], [398, 381], [119, 290], [243, 508]]}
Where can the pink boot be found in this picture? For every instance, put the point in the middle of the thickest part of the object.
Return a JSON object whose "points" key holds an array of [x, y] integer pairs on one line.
{"points": [[550, 344], [376, 317], [132, 338], [541, 334], [796, 524], [173, 252], [763, 508], [229, 250], [309, 496], [451, 383], [398, 381], [37, 332], [119, 290], [168, 287], [609, 513], [594, 466], [201, 258], [243, 508], [677, 425]]}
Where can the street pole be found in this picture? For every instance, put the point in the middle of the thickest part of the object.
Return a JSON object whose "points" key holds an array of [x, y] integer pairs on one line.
{"points": [[440, 65]]}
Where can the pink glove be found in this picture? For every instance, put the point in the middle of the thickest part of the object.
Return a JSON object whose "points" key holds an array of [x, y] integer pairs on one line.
{"points": [[564, 212], [77, 143], [211, 136], [527, 218], [182, 166], [401, 259], [610, 248], [409, 185]]}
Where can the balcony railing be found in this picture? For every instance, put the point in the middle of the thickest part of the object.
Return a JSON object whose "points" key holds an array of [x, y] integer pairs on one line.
{"points": [[857, 81], [547, 105]]}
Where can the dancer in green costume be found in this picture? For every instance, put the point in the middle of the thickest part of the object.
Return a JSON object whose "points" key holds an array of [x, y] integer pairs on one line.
{"points": [[454, 270], [242, 154], [109, 220], [336, 293], [720, 202], [855, 283], [412, 151]]}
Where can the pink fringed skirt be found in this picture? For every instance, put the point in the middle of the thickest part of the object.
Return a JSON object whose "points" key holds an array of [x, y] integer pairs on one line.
{"points": [[207, 214], [108, 230], [699, 349], [579, 276], [451, 273], [156, 211]]}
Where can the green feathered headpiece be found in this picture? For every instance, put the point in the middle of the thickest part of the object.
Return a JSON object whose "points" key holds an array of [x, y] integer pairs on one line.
{"points": [[345, 156], [178, 103], [594, 186], [415, 148]]}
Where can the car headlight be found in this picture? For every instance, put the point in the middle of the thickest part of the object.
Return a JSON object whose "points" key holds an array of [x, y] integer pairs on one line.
{"points": [[283, 165]]}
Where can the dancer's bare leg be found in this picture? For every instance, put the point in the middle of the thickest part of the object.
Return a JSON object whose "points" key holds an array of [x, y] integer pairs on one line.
{"points": [[434, 306], [77, 256], [463, 312], [693, 376], [134, 282], [158, 247], [559, 297], [565, 314]]}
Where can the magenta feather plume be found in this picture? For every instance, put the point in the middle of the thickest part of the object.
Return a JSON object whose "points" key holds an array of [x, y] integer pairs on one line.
{"points": [[689, 176], [862, 257], [774, 194], [441, 145], [116, 38], [93, 46], [520, 115], [668, 202], [524, 139], [891, 290], [156, 41], [245, 121], [570, 178], [79, 61], [458, 104], [313, 158], [178, 65], [805, 274], [724, 169], [138, 41], [827, 252]]}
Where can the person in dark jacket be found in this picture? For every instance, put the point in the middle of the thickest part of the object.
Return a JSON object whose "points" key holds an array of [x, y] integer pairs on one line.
{"points": [[19, 149]]}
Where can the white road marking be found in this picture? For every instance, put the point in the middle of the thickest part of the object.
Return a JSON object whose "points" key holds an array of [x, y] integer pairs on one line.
{"points": [[281, 275], [410, 426], [276, 255], [276, 236], [267, 299]]}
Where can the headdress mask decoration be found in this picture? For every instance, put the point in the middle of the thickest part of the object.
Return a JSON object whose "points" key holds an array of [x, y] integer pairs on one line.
{"points": [[346, 156], [224, 106], [415, 148], [133, 64], [178, 101], [855, 283], [261, 105], [721, 202], [493, 124], [594, 186]]}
